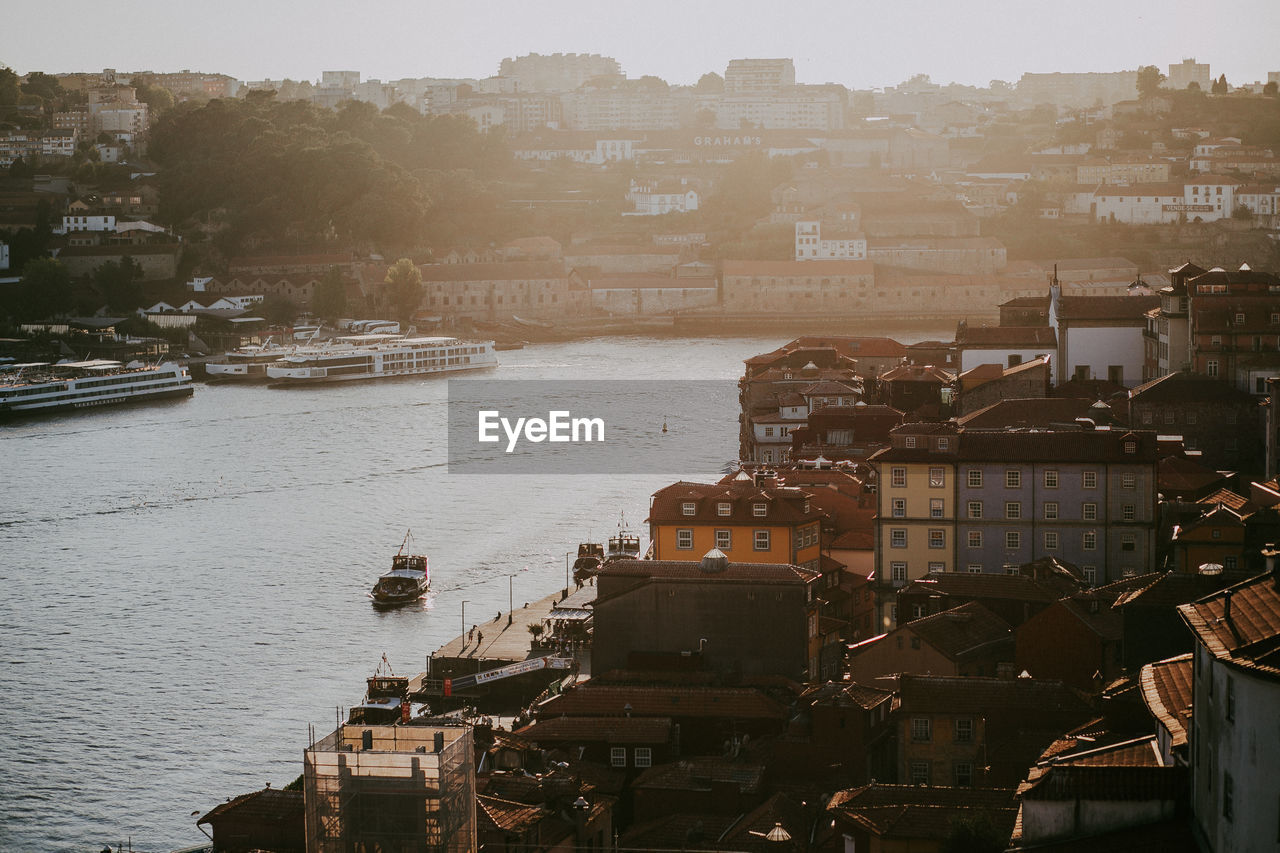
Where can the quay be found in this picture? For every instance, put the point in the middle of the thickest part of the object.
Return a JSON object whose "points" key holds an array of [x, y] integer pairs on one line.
{"points": [[558, 652]]}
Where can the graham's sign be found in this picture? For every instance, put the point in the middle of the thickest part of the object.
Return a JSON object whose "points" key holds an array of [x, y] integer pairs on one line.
{"points": [[713, 141]]}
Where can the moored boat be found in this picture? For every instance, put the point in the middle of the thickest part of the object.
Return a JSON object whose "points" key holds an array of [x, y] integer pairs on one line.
{"points": [[590, 559], [356, 357], [39, 388]]}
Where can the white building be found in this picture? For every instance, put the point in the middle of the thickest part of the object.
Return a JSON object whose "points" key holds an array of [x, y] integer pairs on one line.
{"points": [[87, 222], [841, 246], [1235, 726], [1100, 337], [1205, 198], [58, 143], [654, 198], [1187, 72]]}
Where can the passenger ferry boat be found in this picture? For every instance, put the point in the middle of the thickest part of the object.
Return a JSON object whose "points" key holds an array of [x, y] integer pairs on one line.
{"points": [[380, 357], [28, 389], [245, 363], [408, 580]]}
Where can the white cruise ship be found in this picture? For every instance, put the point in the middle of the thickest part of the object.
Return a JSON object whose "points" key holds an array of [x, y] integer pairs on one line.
{"points": [[249, 363], [27, 389], [381, 357]]}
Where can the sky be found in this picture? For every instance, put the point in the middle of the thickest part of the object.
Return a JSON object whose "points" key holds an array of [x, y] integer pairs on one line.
{"points": [[857, 43]]}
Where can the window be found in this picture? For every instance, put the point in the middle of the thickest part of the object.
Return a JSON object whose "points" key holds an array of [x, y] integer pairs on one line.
{"points": [[759, 510], [937, 478], [935, 507], [1012, 540], [1050, 510], [1051, 479], [1089, 511], [921, 729], [618, 756], [909, 441], [975, 478], [1013, 479], [975, 568], [899, 507], [724, 509], [1089, 541], [644, 756], [1211, 368], [768, 432], [898, 573], [1128, 512], [975, 509], [1012, 510], [898, 538], [898, 477], [937, 567], [937, 539], [1051, 540], [1090, 574], [1128, 542], [964, 774], [964, 730], [724, 540], [975, 538], [919, 773], [762, 540], [1089, 480], [1128, 481], [689, 508], [944, 443], [684, 539]]}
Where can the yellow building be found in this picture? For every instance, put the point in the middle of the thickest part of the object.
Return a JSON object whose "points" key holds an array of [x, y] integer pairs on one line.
{"points": [[750, 520]]}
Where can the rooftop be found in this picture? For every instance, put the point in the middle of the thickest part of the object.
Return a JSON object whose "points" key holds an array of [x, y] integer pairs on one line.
{"points": [[1167, 692], [1240, 626]]}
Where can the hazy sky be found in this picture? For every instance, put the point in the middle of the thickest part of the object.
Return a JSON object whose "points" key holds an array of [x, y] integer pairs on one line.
{"points": [[855, 42]]}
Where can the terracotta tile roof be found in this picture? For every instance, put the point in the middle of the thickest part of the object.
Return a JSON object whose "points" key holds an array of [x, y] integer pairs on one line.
{"points": [[975, 376], [1167, 692], [1070, 782], [507, 815], [642, 281], [1229, 499], [1249, 637], [962, 630], [697, 774], [839, 694], [269, 804], [917, 373], [830, 387], [946, 695], [1139, 752], [1179, 475], [784, 505], [1027, 412], [616, 730], [677, 832], [1128, 307], [1186, 388], [657, 701], [1071, 264], [919, 812], [515, 270], [975, 586], [338, 259], [799, 269], [1105, 622], [1170, 589], [1006, 337], [692, 570]]}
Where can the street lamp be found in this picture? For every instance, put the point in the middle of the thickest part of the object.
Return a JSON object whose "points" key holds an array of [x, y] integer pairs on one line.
{"points": [[464, 624], [511, 603]]}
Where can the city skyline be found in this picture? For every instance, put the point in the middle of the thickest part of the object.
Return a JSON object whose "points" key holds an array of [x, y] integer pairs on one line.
{"points": [[857, 45]]}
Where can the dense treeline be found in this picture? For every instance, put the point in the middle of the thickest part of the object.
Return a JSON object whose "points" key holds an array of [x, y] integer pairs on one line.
{"points": [[257, 173]]}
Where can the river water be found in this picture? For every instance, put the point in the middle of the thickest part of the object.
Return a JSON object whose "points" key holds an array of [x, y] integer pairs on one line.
{"points": [[185, 583]]}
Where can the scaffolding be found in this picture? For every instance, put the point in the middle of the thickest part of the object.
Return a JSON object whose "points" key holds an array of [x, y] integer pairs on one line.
{"points": [[391, 789]]}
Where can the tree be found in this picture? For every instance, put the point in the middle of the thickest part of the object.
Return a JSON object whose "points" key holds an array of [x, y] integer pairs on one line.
{"points": [[404, 288], [1242, 213], [710, 83], [1220, 86], [120, 283], [43, 86], [45, 290], [1149, 80], [330, 299], [278, 310]]}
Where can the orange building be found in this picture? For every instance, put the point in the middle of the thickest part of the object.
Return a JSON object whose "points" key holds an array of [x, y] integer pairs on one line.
{"points": [[750, 520]]}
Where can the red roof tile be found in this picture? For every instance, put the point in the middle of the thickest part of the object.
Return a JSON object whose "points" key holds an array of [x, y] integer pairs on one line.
{"points": [[1248, 636], [1167, 692], [657, 701]]}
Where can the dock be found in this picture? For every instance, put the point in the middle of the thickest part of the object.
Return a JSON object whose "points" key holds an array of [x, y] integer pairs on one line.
{"points": [[505, 640]]}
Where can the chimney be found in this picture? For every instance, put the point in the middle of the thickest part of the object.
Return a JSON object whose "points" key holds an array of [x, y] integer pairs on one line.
{"points": [[1226, 605]]}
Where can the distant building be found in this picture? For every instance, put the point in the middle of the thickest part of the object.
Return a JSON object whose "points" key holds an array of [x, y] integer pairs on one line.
{"points": [[841, 244], [758, 76], [557, 72], [655, 198], [1189, 71]]}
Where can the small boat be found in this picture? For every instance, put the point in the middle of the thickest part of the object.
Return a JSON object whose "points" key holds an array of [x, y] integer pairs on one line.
{"points": [[590, 559], [386, 699], [623, 545], [408, 580]]}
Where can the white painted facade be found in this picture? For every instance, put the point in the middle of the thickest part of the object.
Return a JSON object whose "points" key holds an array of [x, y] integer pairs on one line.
{"points": [[810, 246], [655, 200], [1098, 350], [1235, 738], [650, 301], [1132, 205], [87, 222]]}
